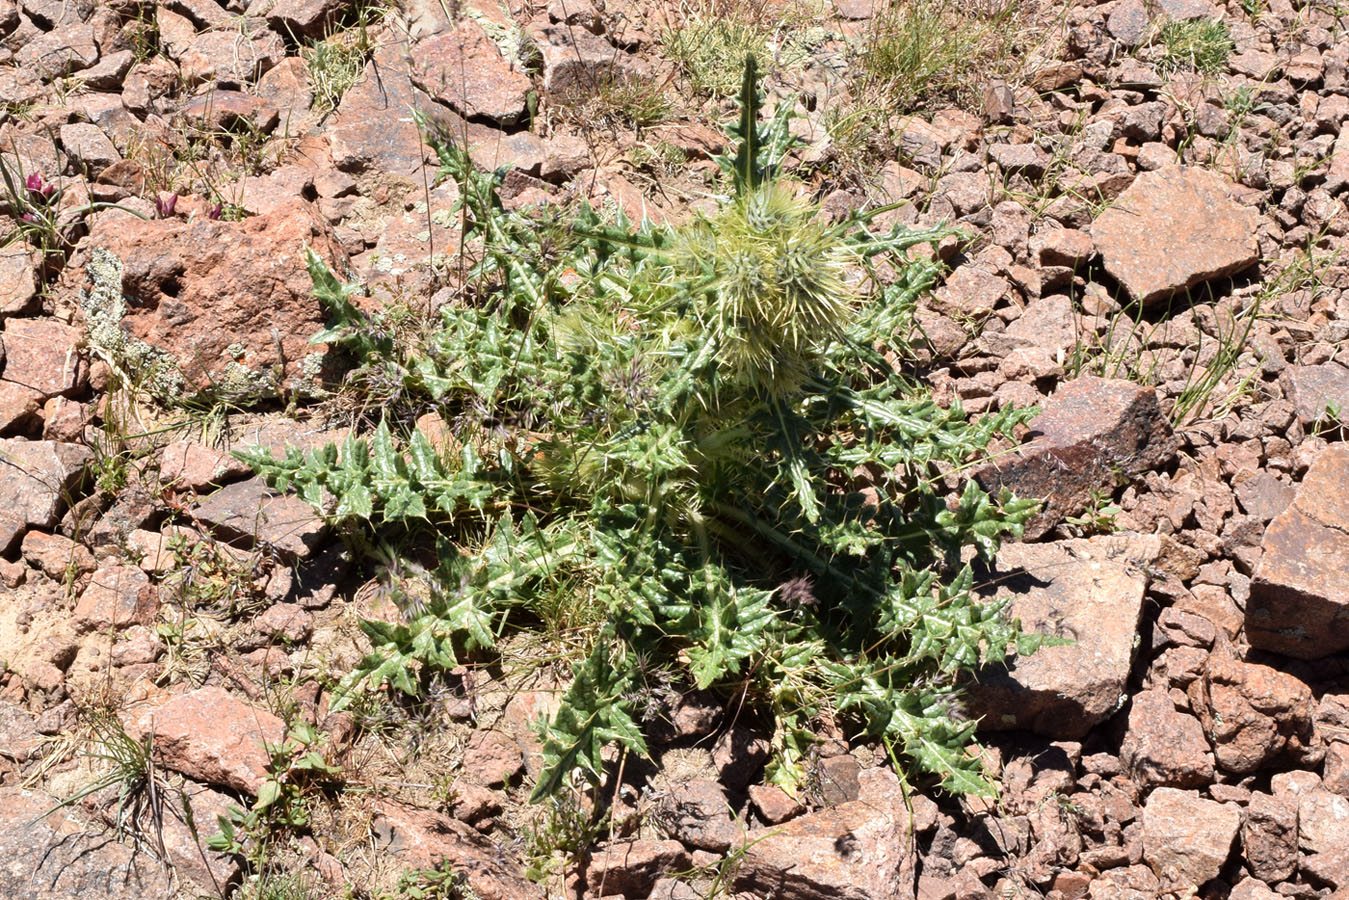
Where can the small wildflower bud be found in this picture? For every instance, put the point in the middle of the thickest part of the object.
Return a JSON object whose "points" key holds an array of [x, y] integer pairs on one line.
{"points": [[29, 217], [164, 206], [216, 211], [38, 189]]}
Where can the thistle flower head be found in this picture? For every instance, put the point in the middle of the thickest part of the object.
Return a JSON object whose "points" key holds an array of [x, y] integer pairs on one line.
{"points": [[799, 592], [777, 291]]}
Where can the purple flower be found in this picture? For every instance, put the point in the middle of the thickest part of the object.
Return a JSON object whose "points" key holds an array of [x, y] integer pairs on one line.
{"points": [[29, 217], [798, 592], [164, 206], [216, 211], [39, 191]]}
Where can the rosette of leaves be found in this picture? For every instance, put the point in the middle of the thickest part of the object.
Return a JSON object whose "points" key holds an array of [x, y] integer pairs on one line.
{"points": [[698, 435]]}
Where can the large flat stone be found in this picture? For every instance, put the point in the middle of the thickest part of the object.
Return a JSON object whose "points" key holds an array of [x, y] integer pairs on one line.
{"points": [[1299, 602], [1165, 747], [18, 278], [1186, 839], [1092, 431], [224, 307], [212, 737], [252, 511], [1320, 393], [464, 70], [1089, 591], [373, 130], [36, 478], [1172, 230], [861, 849], [42, 355], [57, 857], [420, 839]]}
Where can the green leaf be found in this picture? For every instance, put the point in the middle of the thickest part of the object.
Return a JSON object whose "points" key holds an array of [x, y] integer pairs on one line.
{"points": [[747, 174], [732, 627], [269, 793], [592, 715]]}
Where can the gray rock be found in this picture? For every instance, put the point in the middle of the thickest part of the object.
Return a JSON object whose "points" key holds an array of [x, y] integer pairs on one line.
{"points": [[37, 477], [1299, 602], [1092, 431], [1320, 393], [1163, 746], [697, 814], [631, 868], [252, 511], [860, 850], [19, 737], [56, 857], [1086, 590], [1128, 22], [1269, 837]]}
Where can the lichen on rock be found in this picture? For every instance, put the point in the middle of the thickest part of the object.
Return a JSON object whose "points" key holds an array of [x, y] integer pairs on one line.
{"points": [[104, 306]]}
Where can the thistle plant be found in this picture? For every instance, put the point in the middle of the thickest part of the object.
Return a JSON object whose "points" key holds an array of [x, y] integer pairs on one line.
{"points": [[697, 435]]}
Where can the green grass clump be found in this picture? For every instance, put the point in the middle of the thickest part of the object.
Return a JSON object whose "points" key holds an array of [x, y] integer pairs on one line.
{"points": [[709, 50], [694, 442], [336, 62], [1202, 45], [922, 52]]}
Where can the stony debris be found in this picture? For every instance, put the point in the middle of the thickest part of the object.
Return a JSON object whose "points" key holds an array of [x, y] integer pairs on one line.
{"points": [[37, 479], [1194, 739], [1322, 822], [698, 813], [1319, 392], [372, 129], [1269, 837], [492, 758], [117, 598], [462, 69]]}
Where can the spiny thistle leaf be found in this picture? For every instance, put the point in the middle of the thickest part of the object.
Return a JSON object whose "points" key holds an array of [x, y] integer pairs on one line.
{"points": [[592, 716], [747, 174]]}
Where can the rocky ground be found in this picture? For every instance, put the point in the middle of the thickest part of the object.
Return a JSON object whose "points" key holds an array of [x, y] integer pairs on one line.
{"points": [[164, 613]]}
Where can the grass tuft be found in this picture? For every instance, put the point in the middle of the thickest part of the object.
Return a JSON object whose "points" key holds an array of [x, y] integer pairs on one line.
{"points": [[1200, 45], [922, 53]]}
